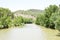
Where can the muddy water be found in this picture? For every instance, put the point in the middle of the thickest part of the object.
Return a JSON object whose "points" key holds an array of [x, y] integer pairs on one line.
{"points": [[28, 32]]}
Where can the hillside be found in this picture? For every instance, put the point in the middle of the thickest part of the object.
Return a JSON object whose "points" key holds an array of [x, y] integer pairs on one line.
{"points": [[32, 12]]}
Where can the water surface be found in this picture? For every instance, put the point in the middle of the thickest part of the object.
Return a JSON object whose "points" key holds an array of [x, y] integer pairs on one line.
{"points": [[28, 32]]}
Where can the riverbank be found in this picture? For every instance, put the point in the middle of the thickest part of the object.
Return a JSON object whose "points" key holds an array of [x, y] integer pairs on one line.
{"points": [[51, 34]]}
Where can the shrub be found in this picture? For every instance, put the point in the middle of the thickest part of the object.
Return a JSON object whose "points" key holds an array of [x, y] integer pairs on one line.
{"points": [[18, 21], [52, 9], [28, 20], [5, 17], [40, 20]]}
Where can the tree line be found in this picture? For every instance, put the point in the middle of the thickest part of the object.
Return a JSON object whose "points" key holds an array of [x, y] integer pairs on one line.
{"points": [[7, 19], [50, 18]]}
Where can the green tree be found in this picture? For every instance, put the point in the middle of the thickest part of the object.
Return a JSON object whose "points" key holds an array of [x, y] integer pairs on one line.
{"points": [[27, 20], [55, 18], [40, 20], [5, 17], [48, 12], [18, 21]]}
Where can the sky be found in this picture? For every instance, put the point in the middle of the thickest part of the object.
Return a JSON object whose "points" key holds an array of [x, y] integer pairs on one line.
{"points": [[14, 5]]}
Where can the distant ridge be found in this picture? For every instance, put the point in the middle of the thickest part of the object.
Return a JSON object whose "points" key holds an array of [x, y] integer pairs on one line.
{"points": [[33, 12]]}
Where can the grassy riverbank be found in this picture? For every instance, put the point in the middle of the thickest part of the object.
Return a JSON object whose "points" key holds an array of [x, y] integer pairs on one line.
{"points": [[51, 34]]}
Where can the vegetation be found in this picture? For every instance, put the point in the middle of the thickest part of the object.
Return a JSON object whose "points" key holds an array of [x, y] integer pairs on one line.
{"points": [[48, 13], [32, 12], [40, 20], [28, 20], [5, 17], [50, 18], [18, 21]]}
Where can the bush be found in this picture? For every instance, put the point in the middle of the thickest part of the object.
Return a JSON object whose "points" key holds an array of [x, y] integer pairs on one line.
{"points": [[50, 18], [56, 20], [57, 23], [28, 20], [40, 20], [5, 17], [18, 21], [52, 9]]}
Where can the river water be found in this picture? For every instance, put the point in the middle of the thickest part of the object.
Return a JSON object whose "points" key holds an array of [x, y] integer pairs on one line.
{"points": [[28, 32]]}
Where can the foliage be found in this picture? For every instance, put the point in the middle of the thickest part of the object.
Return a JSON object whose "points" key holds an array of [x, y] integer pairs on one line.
{"points": [[51, 9], [40, 20], [18, 21], [28, 20], [50, 18], [56, 20], [48, 13], [57, 24], [5, 17]]}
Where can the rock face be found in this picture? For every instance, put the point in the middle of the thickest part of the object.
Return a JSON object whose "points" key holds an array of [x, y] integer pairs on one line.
{"points": [[29, 32]]}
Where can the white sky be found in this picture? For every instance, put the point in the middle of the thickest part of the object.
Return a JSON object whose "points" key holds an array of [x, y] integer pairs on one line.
{"points": [[27, 4]]}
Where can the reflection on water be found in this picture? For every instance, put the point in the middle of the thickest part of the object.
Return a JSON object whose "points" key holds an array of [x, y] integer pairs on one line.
{"points": [[29, 32]]}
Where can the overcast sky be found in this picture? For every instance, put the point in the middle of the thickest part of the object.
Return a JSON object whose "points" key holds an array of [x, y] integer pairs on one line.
{"points": [[27, 4]]}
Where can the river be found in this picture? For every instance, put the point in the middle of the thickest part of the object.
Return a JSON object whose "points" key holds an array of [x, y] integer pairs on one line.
{"points": [[28, 32]]}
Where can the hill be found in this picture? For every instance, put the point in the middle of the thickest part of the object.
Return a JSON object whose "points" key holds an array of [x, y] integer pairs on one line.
{"points": [[32, 12]]}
